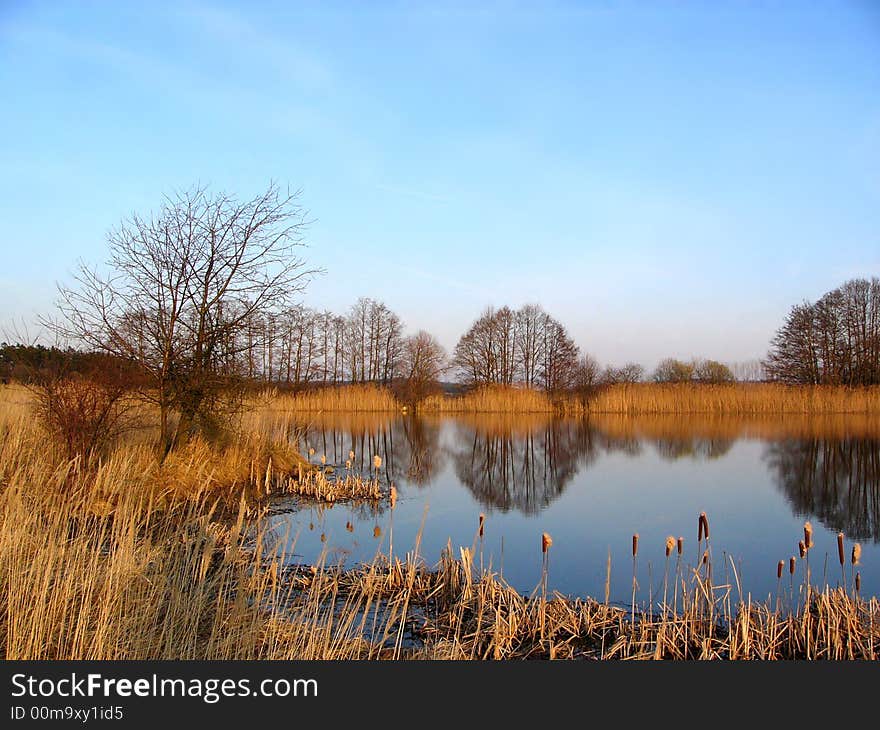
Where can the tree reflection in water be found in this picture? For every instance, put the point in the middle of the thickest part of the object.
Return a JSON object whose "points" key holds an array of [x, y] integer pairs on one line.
{"points": [[522, 466], [409, 446], [836, 481]]}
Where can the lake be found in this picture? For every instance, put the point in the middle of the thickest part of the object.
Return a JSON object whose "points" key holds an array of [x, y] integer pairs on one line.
{"points": [[591, 484]]}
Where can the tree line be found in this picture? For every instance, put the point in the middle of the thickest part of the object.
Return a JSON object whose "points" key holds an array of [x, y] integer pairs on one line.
{"points": [[834, 341], [200, 300]]}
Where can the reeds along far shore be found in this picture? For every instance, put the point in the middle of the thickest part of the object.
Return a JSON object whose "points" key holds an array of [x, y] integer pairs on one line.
{"points": [[637, 398]]}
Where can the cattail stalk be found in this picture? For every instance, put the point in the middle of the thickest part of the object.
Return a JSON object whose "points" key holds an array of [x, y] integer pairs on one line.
{"points": [[855, 559], [841, 558], [546, 542], [670, 546], [635, 552], [780, 566]]}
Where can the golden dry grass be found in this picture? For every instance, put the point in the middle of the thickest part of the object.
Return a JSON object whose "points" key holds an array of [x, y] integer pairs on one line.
{"points": [[351, 398], [681, 399], [127, 557]]}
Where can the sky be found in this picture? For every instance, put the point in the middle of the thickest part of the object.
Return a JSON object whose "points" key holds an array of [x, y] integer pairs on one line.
{"points": [[665, 178]]}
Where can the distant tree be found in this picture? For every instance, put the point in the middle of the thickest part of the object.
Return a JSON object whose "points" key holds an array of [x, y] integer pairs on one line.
{"points": [[671, 370], [835, 341], [506, 347], [712, 371], [586, 377], [423, 361], [187, 294], [632, 372]]}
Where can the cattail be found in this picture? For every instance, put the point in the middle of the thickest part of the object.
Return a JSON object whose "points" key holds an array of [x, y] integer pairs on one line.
{"points": [[348, 464], [311, 525], [808, 535], [700, 527], [349, 526], [351, 455], [635, 544], [840, 555], [705, 521], [377, 532], [482, 521], [311, 452], [856, 554], [705, 557], [393, 496], [377, 461], [323, 459], [546, 542], [323, 537], [779, 568], [858, 582], [670, 545], [802, 549], [680, 545], [791, 564]]}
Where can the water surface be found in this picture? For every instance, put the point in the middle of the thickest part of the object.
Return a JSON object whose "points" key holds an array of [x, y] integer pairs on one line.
{"points": [[591, 485]]}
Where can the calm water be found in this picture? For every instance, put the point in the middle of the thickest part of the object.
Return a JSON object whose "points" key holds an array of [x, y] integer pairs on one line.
{"points": [[591, 485]]}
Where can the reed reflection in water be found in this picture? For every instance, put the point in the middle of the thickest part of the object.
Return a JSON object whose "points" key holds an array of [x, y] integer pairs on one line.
{"points": [[592, 483]]}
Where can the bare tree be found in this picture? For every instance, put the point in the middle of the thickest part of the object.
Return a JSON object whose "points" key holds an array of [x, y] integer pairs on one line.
{"points": [[835, 341], [671, 370], [423, 361], [184, 290]]}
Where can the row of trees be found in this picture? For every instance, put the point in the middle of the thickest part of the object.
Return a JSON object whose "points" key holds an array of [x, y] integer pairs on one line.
{"points": [[200, 299], [834, 341]]}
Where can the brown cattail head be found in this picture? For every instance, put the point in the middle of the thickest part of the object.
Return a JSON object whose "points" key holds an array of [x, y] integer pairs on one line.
{"points": [[546, 542], [351, 455], [840, 555], [802, 549], [791, 563], [808, 535], [377, 461], [705, 525], [377, 532], [705, 557], [349, 526], [311, 525], [779, 569], [680, 545], [323, 537], [635, 544], [858, 581], [670, 545], [856, 554], [700, 527], [482, 522], [393, 496]]}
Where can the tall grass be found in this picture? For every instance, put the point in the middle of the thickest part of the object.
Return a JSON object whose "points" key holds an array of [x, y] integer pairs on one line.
{"points": [[655, 398], [350, 398], [129, 557]]}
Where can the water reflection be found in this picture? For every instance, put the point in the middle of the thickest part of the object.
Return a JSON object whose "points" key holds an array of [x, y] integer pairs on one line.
{"points": [[827, 469], [520, 465], [409, 446], [836, 481]]}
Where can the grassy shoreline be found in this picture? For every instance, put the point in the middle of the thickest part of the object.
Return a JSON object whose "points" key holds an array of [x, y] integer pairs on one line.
{"points": [[130, 557], [629, 399]]}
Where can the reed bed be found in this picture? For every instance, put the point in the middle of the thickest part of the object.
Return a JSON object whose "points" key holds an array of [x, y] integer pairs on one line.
{"points": [[656, 398], [350, 398], [130, 557], [735, 398], [178, 575], [491, 399]]}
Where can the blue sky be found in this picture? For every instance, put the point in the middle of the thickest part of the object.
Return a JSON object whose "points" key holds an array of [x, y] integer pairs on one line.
{"points": [[666, 178]]}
